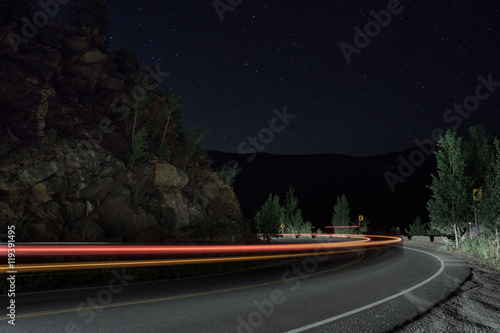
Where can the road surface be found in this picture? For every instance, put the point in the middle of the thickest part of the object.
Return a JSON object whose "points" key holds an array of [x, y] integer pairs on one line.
{"points": [[361, 291]]}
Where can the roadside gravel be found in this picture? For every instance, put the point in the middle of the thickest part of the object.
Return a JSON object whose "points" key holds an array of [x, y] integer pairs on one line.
{"points": [[474, 307]]}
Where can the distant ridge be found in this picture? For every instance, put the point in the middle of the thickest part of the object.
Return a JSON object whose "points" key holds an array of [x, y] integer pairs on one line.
{"points": [[319, 179]]}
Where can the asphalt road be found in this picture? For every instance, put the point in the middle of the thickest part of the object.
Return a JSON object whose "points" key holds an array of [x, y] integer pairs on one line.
{"points": [[369, 291]]}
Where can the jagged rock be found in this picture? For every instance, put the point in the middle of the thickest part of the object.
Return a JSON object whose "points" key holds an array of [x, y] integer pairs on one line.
{"points": [[93, 56], [75, 43], [100, 40], [176, 205], [9, 168], [123, 190], [78, 209], [106, 81], [89, 208], [167, 176], [196, 215], [51, 58], [97, 190], [6, 212], [84, 230], [117, 218], [39, 192], [54, 185], [50, 211], [38, 172]]}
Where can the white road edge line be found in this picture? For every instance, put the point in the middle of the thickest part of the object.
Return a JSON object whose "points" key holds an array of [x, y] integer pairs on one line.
{"points": [[366, 307]]}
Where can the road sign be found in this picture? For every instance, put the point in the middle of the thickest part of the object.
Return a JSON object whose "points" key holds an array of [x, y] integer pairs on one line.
{"points": [[282, 225], [360, 218], [476, 194]]}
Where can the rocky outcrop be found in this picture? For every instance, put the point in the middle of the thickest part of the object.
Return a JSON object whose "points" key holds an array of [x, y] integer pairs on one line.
{"points": [[61, 193], [65, 142], [63, 82]]}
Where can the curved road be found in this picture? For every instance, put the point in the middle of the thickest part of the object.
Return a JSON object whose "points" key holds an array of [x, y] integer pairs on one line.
{"points": [[374, 290]]}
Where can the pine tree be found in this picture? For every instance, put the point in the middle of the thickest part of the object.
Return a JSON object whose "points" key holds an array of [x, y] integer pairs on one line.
{"points": [[191, 147], [417, 228], [450, 197], [293, 215], [269, 218], [341, 215]]}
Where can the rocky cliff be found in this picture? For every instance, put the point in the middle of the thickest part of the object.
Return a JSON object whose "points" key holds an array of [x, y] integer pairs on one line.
{"points": [[68, 117]]}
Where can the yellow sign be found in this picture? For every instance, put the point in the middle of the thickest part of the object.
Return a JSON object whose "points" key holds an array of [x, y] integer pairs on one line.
{"points": [[360, 217], [476, 194], [282, 225]]}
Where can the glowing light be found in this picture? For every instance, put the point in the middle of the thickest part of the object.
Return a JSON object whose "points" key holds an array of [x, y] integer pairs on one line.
{"points": [[23, 268], [71, 250]]}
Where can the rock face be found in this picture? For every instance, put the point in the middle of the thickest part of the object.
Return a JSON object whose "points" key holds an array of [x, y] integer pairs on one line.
{"points": [[77, 185], [90, 195], [62, 82]]}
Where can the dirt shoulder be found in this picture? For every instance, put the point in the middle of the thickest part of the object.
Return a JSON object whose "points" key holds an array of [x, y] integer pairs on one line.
{"points": [[474, 307]]}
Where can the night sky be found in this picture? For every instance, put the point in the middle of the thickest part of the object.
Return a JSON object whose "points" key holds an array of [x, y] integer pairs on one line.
{"points": [[266, 54]]}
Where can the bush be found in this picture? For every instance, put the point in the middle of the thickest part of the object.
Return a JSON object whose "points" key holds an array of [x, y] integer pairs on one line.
{"points": [[163, 152], [138, 146], [227, 174], [485, 246]]}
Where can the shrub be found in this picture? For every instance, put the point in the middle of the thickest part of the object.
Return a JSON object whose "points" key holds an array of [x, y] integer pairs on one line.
{"points": [[227, 174], [138, 146], [484, 246], [163, 152]]}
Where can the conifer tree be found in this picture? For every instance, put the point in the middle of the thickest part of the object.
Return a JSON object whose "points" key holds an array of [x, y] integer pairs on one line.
{"points": [[341, 215]]}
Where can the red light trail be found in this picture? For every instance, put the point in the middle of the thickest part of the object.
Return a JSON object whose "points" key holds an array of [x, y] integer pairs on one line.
{"points": [[27, 250]]}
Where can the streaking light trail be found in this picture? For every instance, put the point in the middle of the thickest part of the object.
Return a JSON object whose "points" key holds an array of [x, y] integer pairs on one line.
{"points": [[71, 250], [23, 268], [267, 252]]}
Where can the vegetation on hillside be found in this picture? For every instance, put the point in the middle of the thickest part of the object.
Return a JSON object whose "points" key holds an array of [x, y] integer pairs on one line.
{"points": [[468, 180], [275, 212]]}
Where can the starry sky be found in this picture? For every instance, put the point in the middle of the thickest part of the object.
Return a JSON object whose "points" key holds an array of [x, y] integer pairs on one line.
{"points": [[267, 54]]}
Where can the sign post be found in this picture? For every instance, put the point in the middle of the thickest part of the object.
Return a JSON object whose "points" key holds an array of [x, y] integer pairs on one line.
{"points": [[282, 226], [360, 218]]}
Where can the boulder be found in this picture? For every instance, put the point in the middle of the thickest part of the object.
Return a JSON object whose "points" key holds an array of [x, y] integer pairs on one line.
{"points": [[39, 192], [38, 172], [167, 176], [75, 43], [84, 230], [93, 56], [117, 218], [97, 190]]}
